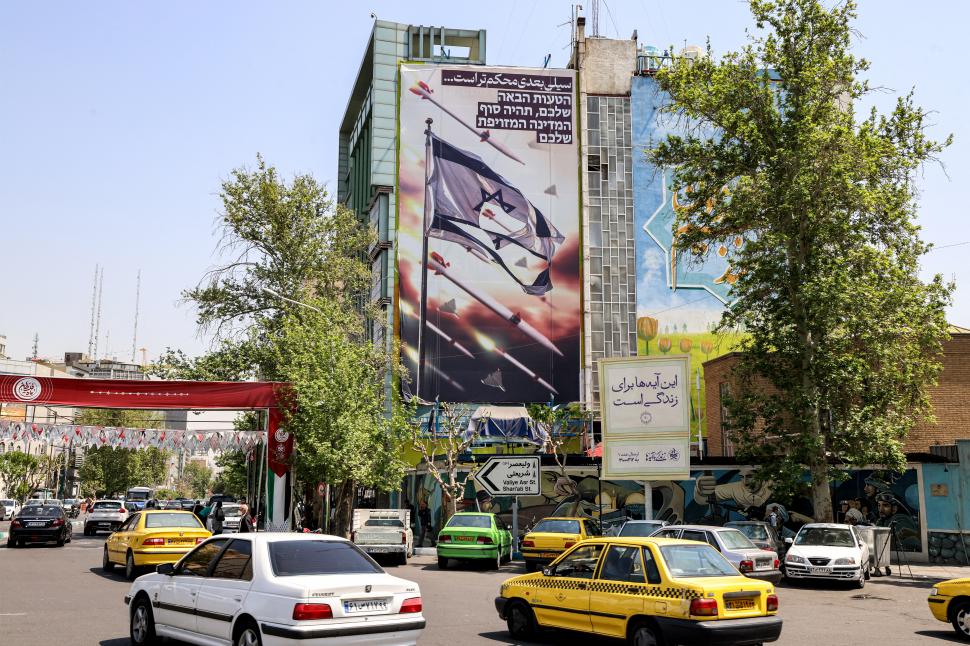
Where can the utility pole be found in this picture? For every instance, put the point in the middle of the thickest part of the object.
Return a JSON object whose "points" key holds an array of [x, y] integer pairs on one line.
{"points": [[134, 336], [97, 321], [36, 340], [94, 304]]}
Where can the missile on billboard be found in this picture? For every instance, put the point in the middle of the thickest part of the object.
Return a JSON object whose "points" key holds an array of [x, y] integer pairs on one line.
{"points": [[437, 264], [406, 308], [413, 356], [491, 346], [425, 92]]}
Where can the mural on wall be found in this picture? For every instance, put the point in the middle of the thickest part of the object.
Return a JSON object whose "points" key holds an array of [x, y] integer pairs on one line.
{"points": [[488, 233], [679, 299], [710, 497]]}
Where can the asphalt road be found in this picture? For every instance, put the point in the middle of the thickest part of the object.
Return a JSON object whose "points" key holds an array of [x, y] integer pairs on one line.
{"points": [[51, 595]]}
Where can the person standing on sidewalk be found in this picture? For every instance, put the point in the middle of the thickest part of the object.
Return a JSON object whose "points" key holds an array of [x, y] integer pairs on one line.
{"points": [[218, 516], [424, 515]]}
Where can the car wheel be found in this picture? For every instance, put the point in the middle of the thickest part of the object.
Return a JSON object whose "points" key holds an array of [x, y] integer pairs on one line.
{"points": [[87, 531], [402, 559], [131, 572], [498, 559], [861, 583], [442, 562], [106, 563], [520, 620], [643, 634], [60, 541], [142, 625], [960, 618], [248, 636], [868, 573], [11, 543]]}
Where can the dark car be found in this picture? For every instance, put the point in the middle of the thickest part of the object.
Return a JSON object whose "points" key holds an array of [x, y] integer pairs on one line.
{"points": [[40, 524], [186, 504], [220, 497], [761, 534]]}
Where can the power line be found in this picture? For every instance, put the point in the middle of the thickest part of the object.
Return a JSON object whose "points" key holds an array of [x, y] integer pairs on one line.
{"points": [[947, 246]]}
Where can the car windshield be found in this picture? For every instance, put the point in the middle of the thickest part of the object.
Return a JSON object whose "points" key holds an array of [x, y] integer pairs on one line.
{"points": [[460, 520], [551, 526], [735, 540], [754, 532], [384, 522], [42, 511], [696, 560], [828, 536], [295, 558], [105, 506], [172, 520], [639, 529], [7, 503], [231, 510]]}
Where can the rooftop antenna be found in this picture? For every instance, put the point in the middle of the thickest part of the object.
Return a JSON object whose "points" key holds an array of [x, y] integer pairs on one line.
{"points": [[36, 340], [94, 302], [134, 336], [545, 61], [594, 17], [97, 320], [144, 356]]}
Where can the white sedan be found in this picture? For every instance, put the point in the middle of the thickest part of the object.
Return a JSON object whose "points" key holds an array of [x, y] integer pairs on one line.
{"points": [[275, 589], [827, 551], [10, 509]]}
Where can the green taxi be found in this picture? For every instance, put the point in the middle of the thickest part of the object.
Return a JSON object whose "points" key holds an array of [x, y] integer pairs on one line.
{"points": [[474, 536]]}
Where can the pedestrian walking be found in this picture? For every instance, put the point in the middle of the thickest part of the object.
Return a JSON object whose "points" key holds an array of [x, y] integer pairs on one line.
{"points": [[218, 516], [246, 520], [424, 515]]}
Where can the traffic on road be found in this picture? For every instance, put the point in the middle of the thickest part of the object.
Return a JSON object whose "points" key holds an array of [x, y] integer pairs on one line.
{"points": [[246, 589]]}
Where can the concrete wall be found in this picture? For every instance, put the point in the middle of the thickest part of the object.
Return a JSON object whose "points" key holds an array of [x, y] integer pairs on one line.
{"points": [[608, 66]]}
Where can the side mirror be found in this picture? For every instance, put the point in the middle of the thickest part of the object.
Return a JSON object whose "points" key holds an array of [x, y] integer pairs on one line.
{"points": [[166, 568], [788, 541], [548, 571]]}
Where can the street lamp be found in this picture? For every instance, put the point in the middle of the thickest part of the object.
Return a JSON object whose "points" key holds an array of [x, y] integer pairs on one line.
{"points": [[273, 292]]}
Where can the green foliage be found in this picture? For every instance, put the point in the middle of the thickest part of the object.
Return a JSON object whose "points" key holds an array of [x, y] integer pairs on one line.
{"points": [[442, 450], [22, 473], [195, 480], [233, 478], [838, 325], [111, 471], [556, 421]]}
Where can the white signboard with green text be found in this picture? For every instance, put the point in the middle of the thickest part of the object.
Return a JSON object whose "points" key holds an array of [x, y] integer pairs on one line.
{"points": [[645, 407]]}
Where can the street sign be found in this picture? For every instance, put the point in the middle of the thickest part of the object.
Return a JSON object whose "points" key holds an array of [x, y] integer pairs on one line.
{"points": [[511, 475], [321, 487]]}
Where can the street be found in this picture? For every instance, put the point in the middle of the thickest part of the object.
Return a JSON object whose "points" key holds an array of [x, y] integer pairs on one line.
{"points": [[53, 595]]}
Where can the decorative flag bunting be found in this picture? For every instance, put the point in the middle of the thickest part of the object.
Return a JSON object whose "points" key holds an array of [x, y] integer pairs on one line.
{"points": [[129, 438]]}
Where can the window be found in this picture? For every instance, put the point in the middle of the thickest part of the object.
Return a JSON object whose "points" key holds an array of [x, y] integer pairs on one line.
{"points": [[640, 528], [724, 390], [383, 522], [833, 537], [694, 535], [754, 532], [180, 520], [196, 562], [550, 526], [43, 511], [592, 528], [461, 520], [735, 540], [580, 563], [623, 563], [131, 523], [106, 506], [696, 560], [293, 558], [235, 562], [668, 533]]}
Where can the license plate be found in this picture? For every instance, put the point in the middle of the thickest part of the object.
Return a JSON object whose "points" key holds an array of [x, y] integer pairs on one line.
{"points": [[40, 524], [377, 550], [763, 565], [365, 605], [181, 541], [465, 539], [820, 570], [549, 555], [739, 604], [104, 524]]}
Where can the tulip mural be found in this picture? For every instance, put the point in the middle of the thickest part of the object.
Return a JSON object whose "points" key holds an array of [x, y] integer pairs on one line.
{"points": [[647, 327]]}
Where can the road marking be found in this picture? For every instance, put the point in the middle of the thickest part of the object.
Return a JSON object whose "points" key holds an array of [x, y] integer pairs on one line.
{"points": [[13, 614]]}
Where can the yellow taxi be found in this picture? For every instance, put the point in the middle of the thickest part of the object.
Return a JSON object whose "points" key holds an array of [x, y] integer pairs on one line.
{"points": [[648, 591], [950, 601], [152, 537], [552, 536]]}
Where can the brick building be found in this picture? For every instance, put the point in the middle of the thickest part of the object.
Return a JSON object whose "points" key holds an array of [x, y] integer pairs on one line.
{"points": [[949, 397]]}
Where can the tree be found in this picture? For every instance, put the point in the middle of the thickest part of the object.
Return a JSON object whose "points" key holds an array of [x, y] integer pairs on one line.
{"points": [[234, 477], [346, 434], [555, 422], [446, 444], [195, 480], [110, 470], [21, 473], [842, 338], [286, 243]]}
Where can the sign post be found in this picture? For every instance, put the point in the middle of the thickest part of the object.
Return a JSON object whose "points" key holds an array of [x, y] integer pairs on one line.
{"points": [[645, 407], [512, 475]]}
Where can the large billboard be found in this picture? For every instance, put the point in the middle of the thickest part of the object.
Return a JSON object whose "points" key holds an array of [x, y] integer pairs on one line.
{"points": [[680, 298], [488, 243]]}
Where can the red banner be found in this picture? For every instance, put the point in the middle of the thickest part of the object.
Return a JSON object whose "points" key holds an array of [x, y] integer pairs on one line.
{"points": [[159, 395], [118, 393]]}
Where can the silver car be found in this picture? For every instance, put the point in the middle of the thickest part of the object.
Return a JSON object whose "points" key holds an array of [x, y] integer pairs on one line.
{"points": [[105, 516], [751, 560]]}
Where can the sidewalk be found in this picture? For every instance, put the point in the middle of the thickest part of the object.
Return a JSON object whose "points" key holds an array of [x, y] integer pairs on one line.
{"points": [[930, 572]]}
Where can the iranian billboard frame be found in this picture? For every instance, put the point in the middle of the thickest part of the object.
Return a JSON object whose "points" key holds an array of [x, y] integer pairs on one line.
{"points": [[489, 195]]}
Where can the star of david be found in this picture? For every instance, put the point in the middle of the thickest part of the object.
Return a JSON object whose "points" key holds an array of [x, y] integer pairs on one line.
{"points": [[493, 197]]}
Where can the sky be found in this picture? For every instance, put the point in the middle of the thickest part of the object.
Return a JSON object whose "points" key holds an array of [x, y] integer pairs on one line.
{"points": [[119, 120]]}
